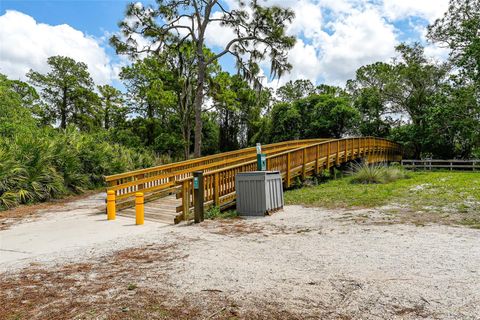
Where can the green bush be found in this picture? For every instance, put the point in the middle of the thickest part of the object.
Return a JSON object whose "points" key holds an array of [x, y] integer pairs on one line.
{"points": [[364, 173], [42, 163]]}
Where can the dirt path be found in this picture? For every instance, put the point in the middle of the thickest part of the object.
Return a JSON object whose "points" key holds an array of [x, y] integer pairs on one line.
{"points": [[300, 263]]}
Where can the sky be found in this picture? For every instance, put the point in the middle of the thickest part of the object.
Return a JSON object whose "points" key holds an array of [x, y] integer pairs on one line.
{"points": [[335, 37]]}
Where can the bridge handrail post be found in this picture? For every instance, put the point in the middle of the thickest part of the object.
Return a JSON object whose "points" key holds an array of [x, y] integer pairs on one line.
{"points": [[337, 160], [287, 174], [304, 156], [329, 150], [198, 195], [216, 189], [185, 199], [352, 152]]}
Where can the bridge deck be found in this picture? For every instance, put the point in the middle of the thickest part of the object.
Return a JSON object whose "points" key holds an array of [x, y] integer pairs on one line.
{"points": [[160, 210]]}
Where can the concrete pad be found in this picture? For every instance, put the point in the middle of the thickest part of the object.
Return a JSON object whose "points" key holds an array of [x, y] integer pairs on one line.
{"points": [[55, 234]]}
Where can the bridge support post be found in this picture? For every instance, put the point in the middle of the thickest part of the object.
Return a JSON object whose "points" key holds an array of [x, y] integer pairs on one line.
{"points": [[198, 196], [332, 172], [111, 210]]}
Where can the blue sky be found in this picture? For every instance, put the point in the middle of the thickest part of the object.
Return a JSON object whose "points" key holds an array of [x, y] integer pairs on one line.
{"points": [[335, 36]]}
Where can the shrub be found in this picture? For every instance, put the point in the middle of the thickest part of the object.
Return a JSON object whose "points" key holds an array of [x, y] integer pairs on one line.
{"points": [[39, 164], [376, 173], [212, 212]]}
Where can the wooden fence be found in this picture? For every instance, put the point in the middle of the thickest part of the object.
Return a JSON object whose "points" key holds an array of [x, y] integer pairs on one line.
{"points": [[157, 181], [451, 165], [219, 184]]}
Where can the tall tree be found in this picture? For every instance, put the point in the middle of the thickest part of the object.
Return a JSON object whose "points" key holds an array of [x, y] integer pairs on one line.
{"points": [[458, 30], [238, 107], [150, 91], [68, 91], [259, 33], [368, 92], [294, 90], [112, 104], [328, 114], [408, 87]]}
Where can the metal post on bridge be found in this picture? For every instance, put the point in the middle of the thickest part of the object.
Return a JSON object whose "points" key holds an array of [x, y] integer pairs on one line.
{"points": [[261, 159], [198, 196]]}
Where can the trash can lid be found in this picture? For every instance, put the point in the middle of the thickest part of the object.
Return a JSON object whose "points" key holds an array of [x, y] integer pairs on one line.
{"points": [[258, 173]]}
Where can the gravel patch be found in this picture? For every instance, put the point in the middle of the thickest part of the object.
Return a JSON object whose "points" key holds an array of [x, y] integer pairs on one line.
{"points": [[299, 263]]}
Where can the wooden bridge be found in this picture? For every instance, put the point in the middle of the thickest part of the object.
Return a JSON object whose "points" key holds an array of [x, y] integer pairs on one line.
{"points": [[168, 188]]}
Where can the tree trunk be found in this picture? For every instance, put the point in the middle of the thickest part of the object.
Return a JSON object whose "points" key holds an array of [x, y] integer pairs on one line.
{"points": [[198, 108], [186, 140], [107, 118], [63, 110], [150, 125]]}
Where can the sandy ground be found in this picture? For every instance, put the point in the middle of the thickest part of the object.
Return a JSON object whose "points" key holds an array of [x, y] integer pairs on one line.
{"points": [[299, 263]]}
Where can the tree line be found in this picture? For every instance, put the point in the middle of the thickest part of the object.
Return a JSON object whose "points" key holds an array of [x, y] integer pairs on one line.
{"points": [[177, 101]]}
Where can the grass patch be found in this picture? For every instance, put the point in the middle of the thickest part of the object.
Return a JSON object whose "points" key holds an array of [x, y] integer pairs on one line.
{"points": [[215, 213], [456, 192]]}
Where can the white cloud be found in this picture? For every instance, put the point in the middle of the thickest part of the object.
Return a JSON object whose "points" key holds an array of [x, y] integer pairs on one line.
{"points": [[336, 37], [427, 9], [216, 35], [305, 62], [26, 44], [360, 38]]}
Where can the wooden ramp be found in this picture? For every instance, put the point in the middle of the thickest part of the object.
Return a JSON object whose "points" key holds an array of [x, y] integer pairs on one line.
{"points": [[295, 160], [161, 210]]}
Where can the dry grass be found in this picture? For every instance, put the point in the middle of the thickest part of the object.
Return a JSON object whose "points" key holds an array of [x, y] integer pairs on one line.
{"points": [[83, 290], [232, 227], [131, 284]]}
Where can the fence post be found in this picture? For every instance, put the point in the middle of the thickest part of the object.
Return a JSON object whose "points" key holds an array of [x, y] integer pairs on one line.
{"points": [[287, 175], [111, 210], [139, 208], [317, 156], [198, 195]]}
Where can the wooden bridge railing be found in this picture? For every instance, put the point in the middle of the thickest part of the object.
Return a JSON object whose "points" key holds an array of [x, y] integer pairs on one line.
{"points": [[161, 179], [219, 185]]}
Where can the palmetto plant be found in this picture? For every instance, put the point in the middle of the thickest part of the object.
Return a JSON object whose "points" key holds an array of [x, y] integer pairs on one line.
{"points": [[41, 164]]}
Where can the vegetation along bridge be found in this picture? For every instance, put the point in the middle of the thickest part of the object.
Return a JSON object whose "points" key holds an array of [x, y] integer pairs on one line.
{"points": [[168, 188]]}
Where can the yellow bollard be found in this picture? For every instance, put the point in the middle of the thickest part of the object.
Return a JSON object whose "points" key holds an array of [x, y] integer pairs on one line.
{"points": [[111, 205], [139, 208]]}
